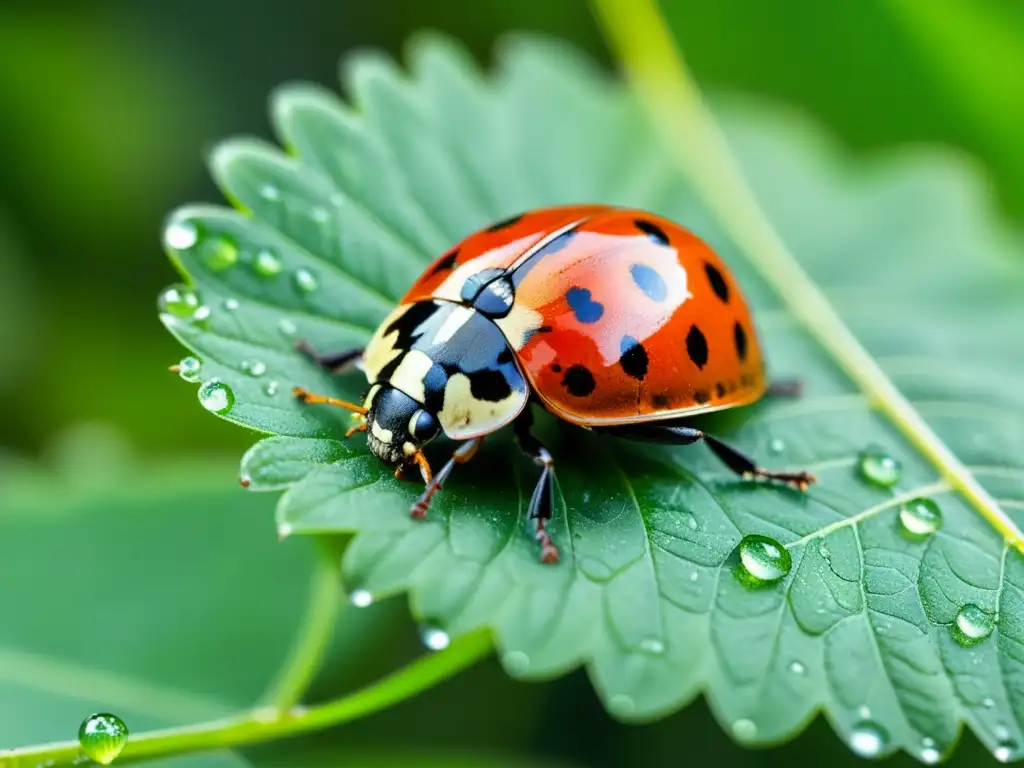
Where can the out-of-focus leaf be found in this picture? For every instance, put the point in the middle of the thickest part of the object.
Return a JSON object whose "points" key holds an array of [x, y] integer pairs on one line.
{"points": [[862, 626]]}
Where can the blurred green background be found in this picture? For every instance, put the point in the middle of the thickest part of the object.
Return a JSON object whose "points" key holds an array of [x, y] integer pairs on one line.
{"points": [[108, 107]]}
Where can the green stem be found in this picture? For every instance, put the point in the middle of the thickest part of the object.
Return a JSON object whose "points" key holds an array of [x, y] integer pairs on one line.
{"points": [[638, 33], [325, 600], [264, 724]]}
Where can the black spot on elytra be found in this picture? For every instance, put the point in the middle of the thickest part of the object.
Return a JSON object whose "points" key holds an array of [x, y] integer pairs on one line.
{"points": [[652, 230], [633, 358], [578, 381], [701, 396], [746, 380], [505, 356], [544, 329], [697, 347], [718, 284], [447, 262], [489, 384], [585, 308], [720, 389], [499, 225], [649, 281], [556, 368], [661, 401], [739, 336]]}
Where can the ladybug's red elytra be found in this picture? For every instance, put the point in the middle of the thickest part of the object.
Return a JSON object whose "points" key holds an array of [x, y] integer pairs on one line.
{"points": [[612, 319]]}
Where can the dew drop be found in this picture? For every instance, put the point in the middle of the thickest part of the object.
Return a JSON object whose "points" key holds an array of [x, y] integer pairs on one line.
{"points": [[102, 737], [868, 739], [879, 468], [797, 668], [694, 576], [179, 301], [269, 191], [202, 314], [231, 305], [320, 214], [972, 625], [516, 662], [929, 753], [744, 729], [305, 281], [620, 704], [336, 199], [217, 397], [652, 645], [863, 711], [988, 702], [270, 388], [219, 254], [255, 369], [189, 368], [777, 446], [1005, 750], [763, 561], [434, 638], [919, 518], [284, 530], [287, 327], [267, 263], [360, 598], [181, 235]]}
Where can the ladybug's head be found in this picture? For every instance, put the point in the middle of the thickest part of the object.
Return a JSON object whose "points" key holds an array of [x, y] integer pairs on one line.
{"points": [[397, 427]]}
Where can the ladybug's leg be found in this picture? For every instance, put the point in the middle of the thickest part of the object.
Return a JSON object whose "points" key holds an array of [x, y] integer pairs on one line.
{"points": [[733, 458], [335, 362], [542, 500], [462, 454], [785, 388]]}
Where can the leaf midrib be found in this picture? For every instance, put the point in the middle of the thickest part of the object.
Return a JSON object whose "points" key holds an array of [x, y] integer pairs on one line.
{"points": [[637, 31]]}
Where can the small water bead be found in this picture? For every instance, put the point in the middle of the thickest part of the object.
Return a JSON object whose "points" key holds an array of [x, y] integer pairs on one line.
{"points": [[267, 263], [1005, 751], [763, 561], [929, 753], [653, 646], [920, 518], [777, 446], [102, 737], [337, 199], [270, 388], [516, 662], [231, 305], [744, 729], [179, 301], [988, 702], [219, 254], [879, 468], [188, 369], [320, 214], [305, 281], [181, 235], [360, 598], [972, 625], [287, 327], [797, 668], [269, 192], [255, 368], [620, 704], [434, 638], [864, 711], [202, 314], [868, 739], [216, 397]]}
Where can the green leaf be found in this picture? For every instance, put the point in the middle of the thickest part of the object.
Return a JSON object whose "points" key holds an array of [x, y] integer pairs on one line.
{"points": [[156, 595], [646, 595]]}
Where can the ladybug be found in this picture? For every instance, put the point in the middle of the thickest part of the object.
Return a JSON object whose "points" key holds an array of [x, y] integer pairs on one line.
{"points": [[615, 320]]}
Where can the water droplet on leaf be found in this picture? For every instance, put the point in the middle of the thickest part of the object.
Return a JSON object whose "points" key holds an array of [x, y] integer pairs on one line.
{"points": [[179, 301], [189, 368], [305, 281], [181, 235], [777, 446], [744, 729], [929, 753], [255, 368], [879, 468], [972, 625], [621, 705], [1005, 751], [988, 702], [287, 327], [102, 737], [219, 254], [653, 646], [763, 561], [270, 388], [231, 304], [360, 598], [267, 263], [868, 739], [434, 638], [320, 214], [919, 518], [797, 668], [269, 191], [217, 397], [516, 662]]}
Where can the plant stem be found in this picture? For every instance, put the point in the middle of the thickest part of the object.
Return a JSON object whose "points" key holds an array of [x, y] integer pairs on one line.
{"points": [[637, 32], [325, 600], [264, 724]]}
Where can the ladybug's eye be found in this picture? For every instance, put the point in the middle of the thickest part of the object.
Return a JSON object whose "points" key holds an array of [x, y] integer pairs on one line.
{"points": [[423, 426]]}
